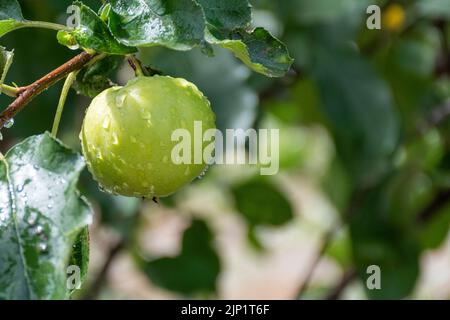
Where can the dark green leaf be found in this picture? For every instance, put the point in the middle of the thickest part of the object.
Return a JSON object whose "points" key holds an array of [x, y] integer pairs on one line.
{"points": [[93, 33], [41, 215], [258, 49], [435, 231], [96, 78], [10, 16], [377, 240], [195, 270], [227, 15], [176, 24], [360, 109], [80, 253], [261, 203]]}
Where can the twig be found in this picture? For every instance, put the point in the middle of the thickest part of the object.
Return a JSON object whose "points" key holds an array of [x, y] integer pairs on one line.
{"points": [[327, 238], [96, 286], [28, 93], [441, 199], [346, 279], [354, 204]]}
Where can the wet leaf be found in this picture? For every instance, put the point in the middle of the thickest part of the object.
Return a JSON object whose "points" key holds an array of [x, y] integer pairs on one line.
{"points": [[176, 24], [41, 216], [93, 33]]}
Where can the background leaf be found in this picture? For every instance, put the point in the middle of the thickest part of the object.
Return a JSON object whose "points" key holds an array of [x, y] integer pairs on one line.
{"points": [[38, 229], [261, 203], [361, 111], [195, 270]]}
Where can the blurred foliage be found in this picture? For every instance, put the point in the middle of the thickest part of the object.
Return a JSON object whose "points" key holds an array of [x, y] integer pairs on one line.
{"points": [[362, 112]]}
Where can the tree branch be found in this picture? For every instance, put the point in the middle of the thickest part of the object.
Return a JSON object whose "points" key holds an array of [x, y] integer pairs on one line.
{"points": [[28, 93], [441, 199], [346, 279]]}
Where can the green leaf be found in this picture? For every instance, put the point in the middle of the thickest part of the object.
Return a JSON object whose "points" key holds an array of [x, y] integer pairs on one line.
{"points": [[6, 59], [41, 215], [10, 16], [261, 203], [176, 24], [360, 110], [227, 15], [195, 270], [378, 240], [258, 49], [96, 78], [93, 33], [80, 253]]}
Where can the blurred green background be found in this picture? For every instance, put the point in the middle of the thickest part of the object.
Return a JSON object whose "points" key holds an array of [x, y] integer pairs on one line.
{"points": [[364, 154]]}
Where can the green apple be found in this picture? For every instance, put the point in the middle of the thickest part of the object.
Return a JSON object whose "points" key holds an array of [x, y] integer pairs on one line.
{"points": [[126, 135]]}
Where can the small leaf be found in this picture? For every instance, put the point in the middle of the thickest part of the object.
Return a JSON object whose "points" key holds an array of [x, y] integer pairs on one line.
{"points": [[258, 49], [41, 215], [93, 33], [10, 16], [6, 59], [80, 254], [261, 203], [195, 270], [176, 24], [94, 79]]}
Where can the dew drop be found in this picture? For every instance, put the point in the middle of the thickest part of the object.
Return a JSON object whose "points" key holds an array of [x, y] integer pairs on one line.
{"points": [[8, 124], [20, 188], [49, 206], [120, 100], [32, 218], [99, 155], [39, 230], [115, 139], [106, 123], [42, 247]]}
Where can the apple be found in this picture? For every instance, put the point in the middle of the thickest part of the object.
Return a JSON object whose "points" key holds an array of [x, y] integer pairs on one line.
{"points": [[126, 136]]}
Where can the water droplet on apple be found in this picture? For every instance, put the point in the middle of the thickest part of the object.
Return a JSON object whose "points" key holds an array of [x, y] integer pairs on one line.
{"points": [[106, 122], [115, 139]]}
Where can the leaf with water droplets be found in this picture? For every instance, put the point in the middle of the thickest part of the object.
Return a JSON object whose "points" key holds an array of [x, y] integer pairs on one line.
{"points": [[93, 33], [41, 217], [258, 49], [176, 24]]}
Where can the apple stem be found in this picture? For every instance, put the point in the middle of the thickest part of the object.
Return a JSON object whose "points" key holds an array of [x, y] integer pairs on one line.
{"points": [[62, 101], [136, 65]]}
